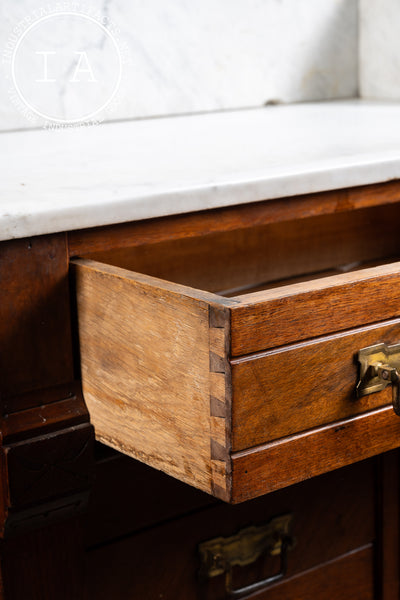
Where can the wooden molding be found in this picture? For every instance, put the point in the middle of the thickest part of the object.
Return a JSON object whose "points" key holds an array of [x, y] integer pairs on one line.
{"points": [[100, 239]]}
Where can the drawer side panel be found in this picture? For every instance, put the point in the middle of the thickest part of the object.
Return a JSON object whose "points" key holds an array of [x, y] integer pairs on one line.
{"points": [[145, 361]]}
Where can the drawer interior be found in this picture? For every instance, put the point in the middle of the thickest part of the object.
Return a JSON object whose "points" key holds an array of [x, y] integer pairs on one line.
{"points": [[244, 260]]}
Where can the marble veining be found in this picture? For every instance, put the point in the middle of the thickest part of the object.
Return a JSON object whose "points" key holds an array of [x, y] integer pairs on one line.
{"points": [[62, 180], [183, 56], [379, 49]]}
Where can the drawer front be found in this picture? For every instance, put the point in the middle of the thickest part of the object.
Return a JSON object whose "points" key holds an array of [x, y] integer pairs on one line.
{"points": [[264, 469], [332, 523], [171, 376], [349, 577], [291, 313], [302, 386]]}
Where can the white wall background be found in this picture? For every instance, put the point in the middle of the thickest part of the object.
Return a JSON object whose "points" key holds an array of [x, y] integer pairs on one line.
{"points": [[186, 56], [380, 49]]}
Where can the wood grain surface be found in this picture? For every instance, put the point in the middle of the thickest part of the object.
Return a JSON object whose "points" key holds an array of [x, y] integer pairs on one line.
{"points": [[46, 444], [233, 260], [309, 309], [157, 381], [388, 525], [35, 331], [46, 564], [349, 577], [146, 368], [332, 516], [268, 255], [100, 239], [282, 463], [305, 385]]}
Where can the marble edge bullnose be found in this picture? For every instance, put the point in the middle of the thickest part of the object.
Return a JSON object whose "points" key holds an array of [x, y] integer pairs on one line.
{"points": [[39, 220], [139, 170]]}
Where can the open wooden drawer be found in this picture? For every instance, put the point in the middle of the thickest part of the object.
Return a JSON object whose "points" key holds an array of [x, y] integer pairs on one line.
{"points": [[229, 360]]}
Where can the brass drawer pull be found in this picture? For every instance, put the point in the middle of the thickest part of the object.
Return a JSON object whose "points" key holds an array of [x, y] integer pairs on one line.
{"points": [[220, 555], [379, 367]]}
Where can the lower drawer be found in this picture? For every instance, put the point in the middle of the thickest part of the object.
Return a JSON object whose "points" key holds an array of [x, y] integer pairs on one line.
{"points": [[348, 578], [331, 557]]}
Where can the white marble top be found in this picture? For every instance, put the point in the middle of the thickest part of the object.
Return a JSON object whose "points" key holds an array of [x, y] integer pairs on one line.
{"points": [[71, 179]]}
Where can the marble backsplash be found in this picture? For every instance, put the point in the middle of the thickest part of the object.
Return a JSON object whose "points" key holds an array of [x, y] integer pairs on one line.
{"points": [[380, 49], [182, 56]]}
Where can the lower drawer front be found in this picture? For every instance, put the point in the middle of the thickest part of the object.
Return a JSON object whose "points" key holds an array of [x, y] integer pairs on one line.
{"points": [[332, 528], [348, 578]]}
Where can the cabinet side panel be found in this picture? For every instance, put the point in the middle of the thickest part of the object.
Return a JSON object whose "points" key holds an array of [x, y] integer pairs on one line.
{"points": [[35, 348], [145, 360]]}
